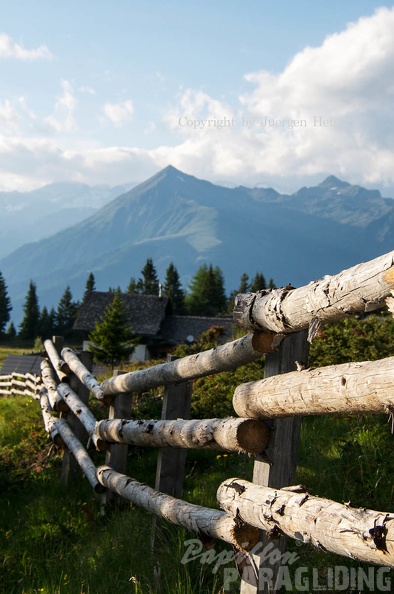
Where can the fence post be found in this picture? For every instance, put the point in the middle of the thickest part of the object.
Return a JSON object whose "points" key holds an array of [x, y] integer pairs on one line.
{"points": [[170, 469], [276, 468], [70, 467], [116, 455]]}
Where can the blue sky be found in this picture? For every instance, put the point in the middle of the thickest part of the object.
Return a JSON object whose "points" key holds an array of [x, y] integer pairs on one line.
{"points": [[110, 92]]}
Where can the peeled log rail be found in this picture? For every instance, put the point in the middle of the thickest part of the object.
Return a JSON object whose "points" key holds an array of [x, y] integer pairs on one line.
{"points": [[49, 421], [234, 435], [221, 358], [349, 388], [61, 434], [48, 378], [82, 412], [61, 368], [358, 533], [363, 288], [202, 520], [80, 454], [82, 373]]}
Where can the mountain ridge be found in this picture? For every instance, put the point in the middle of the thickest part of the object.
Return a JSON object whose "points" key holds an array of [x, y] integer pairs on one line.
{"points": [[176, 217], [33, 215]]}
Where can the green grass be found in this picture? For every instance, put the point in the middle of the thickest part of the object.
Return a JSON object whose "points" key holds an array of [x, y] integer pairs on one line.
{"points": [[6, 350]]}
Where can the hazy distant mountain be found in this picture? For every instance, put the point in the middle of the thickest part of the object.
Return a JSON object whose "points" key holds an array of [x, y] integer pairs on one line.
{"points": [[177, 217], [30, 216]]}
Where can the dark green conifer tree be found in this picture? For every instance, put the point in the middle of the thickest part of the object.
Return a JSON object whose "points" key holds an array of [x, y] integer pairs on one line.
{"points": [[11, 331], [90, 287], [271, 284], [207, 295], [47, 323], [66, 312], [135, 287], [150, 281], [112, 340], [244, 286], [5, 305], [173, 289], [258, 283], [29, 327]]}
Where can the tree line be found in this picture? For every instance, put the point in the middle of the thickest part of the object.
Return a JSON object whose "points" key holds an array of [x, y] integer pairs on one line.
{"points": [[205, 296]]}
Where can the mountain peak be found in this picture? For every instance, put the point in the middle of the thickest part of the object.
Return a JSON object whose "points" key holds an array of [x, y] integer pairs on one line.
{"points": [[170, 169], [333, 182]]}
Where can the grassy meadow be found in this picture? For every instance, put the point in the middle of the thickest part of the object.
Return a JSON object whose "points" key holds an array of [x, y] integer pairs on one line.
{"points": [[54, 540]]}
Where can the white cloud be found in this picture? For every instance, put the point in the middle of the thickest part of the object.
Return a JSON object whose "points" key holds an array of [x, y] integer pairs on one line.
{"points": [[9, 118], [63, 118], [87, 90], [119, 113], [346, 85], [22, 101], [11, 49], [348, 81]]}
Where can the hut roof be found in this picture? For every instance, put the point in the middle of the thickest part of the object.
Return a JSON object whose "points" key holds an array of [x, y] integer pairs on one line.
{"points": [[146, 312]]}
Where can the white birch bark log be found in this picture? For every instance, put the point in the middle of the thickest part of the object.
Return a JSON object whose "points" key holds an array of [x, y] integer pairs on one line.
{"points": [[49, 421], [82, 412], [221, 358], [34, 388], [362, 288], [358, 533], [231, 434], [61, 368], [83, 374], [61, 434], [80, 454], [48, 378], [18, 383], [202, 520], [349, 388]]}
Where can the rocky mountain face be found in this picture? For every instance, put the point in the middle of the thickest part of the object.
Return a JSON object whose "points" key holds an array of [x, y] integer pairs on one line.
{"points": [[177, 217]]}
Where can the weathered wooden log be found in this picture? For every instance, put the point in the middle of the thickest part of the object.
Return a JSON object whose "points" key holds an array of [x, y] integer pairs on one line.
{"points": [[16, 392], [61, 434], [202, 520], [49, 421], [34, 378], [80, 454], [82, 412], [19, 383], [221, 358], [359, 289], [231, 434], [349, 388], [358, 533], [48, 378], [61, 368], [34, 395], [33, 386], [83, 374]]}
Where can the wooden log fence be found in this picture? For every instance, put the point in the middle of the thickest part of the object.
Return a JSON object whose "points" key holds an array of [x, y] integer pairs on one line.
{"points": [[20, 384], [284, 395]]}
